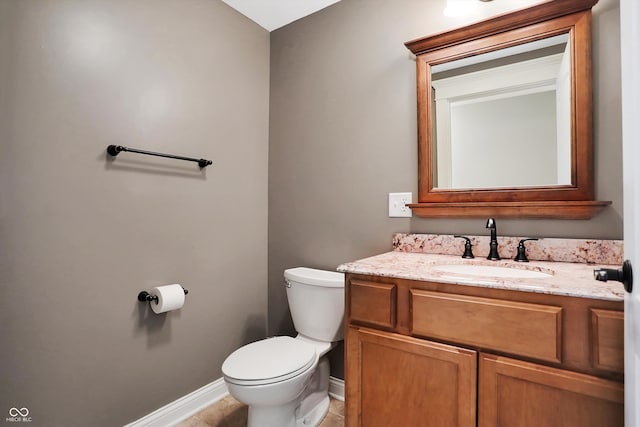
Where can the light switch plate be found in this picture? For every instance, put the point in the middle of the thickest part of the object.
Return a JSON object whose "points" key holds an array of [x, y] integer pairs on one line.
{"points": [[397, 202]]}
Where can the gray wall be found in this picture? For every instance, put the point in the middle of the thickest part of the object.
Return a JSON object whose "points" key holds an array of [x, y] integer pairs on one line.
{"points": [[343, 135], [81, 235]]}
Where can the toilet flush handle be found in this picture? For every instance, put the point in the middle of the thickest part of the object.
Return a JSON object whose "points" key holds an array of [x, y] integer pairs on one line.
{"points": [[287, 283]]}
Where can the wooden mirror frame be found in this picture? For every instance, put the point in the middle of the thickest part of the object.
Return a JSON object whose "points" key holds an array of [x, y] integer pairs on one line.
{"points": [[574, 201]]}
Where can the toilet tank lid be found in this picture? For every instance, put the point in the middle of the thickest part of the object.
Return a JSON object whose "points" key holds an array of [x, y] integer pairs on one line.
{"points": [[311, 276]]}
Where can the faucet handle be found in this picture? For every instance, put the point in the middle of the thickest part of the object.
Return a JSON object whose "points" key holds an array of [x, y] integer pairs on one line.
{"points": [[468, 253], [522, 250]]}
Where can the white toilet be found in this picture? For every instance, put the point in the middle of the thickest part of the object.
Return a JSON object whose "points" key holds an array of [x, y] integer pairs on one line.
{"points": [[284, 380]]}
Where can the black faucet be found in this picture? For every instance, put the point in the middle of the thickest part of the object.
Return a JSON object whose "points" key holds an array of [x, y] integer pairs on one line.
{"points": [[493, 244]]}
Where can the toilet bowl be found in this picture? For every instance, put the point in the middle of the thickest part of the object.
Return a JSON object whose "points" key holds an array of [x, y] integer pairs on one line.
{"points": [[285, 380]]}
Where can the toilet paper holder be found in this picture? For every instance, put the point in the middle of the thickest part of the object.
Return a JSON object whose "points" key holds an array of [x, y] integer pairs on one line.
{"points": [[146, 296]]}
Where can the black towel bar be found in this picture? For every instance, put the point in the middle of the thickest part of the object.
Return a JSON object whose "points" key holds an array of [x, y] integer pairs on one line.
{"points": [[113, 150]]}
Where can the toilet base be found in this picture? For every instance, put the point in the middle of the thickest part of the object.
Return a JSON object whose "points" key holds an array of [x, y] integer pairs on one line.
{"points": [[315, 402], [266, 416], [314, 417], [308, 410]]}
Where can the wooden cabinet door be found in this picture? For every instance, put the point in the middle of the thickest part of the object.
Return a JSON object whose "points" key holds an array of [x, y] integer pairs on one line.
{"points": [[395, 380], [513, 393]]}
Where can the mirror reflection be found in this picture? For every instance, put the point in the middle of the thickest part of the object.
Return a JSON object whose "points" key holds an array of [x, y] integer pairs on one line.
{"points": [[503, 118]]}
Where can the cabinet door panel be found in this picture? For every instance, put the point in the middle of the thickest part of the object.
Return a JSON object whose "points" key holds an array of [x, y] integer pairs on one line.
{"points": [[516, 393], [394, 380]]}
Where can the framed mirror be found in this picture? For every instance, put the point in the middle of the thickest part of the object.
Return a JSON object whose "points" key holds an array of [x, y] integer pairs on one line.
{"points": [[505, 116]]}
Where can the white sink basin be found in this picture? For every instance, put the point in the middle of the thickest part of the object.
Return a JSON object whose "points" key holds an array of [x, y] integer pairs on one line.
{"points": [[491, 271]]}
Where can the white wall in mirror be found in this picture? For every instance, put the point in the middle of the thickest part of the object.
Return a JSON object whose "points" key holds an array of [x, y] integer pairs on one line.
{"points": [[518, 153], [501, 126], [563, 123]]}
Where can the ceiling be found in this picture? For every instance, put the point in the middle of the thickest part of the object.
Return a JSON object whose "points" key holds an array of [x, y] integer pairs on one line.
{"points": [[273, 14]]}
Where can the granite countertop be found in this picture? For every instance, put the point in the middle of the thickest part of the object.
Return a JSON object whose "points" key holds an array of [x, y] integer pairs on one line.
{"points": [[564, 278]]}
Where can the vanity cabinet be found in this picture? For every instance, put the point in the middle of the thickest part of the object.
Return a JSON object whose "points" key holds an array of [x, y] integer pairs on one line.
{"points": [[422, 353]]}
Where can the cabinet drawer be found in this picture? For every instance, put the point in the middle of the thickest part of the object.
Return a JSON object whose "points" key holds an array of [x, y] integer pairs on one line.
{"points": [[607, 339], [373, 303], [530, 330]]}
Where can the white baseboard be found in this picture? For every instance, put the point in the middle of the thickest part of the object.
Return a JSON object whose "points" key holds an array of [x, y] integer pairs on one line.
{"points": [[186, 406], [336, 388]]}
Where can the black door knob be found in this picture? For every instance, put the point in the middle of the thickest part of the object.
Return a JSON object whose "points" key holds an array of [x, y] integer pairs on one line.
{"points": [[624, 275]]}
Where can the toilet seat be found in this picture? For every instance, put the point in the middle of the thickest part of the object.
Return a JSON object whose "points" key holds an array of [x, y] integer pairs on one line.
{"points": [[268, 361]]}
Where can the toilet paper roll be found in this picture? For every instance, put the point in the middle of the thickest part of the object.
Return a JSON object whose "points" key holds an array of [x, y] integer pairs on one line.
{"points": [[170, 297]]}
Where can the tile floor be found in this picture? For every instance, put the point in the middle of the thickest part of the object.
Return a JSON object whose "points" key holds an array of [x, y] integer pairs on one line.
{"points": [[228, 412]]}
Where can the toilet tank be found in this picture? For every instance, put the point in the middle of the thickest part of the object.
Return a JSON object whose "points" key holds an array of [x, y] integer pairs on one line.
{"points": [[316, 302]]}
